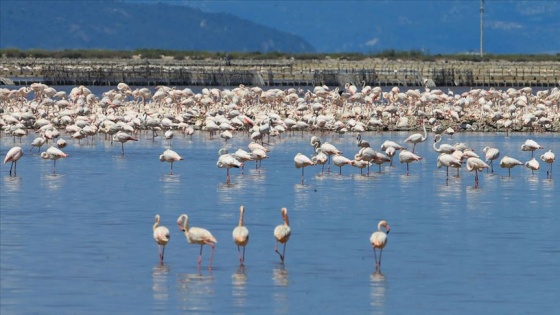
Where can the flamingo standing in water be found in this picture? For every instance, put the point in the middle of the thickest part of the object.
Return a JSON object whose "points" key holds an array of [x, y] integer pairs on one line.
{"points": [[196, 235], [547, 157], [161, 236], [417, 137], [448, 160], [282, 234], [54, 154], [170, 156], [509, 163], [241, 236], [123, 137], [38, 142], [329, 150], [13, 155], [476, 164], [378, 239], [302, 161], [340, 160], [227, 161], [320, 158], [491, 154], [533, 165], [530, 145], [408, 157]]}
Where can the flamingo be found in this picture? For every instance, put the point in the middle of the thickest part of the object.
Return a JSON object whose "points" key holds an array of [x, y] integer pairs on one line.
{"points": [[530, 145], [13, 155], [61, 143], [241, 236], [329, 150], [509, 163], [340, 161], [533, 165], [417, 137], [282, 234], [448, 160], [38, 142], [320, 158], [227, 161], [491, 154], [123, 137], [362, 143], [315, 142], [547, 157], [378, 239], [196, 235], [170, 156], [443, 148], [408, 157], [54, 154], [243, 156], [476, 164], [302, 161], [161, 236]]}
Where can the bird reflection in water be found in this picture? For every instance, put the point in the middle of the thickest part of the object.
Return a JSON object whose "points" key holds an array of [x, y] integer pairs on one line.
{"points": [[159, 282], [280, 276], [52, 181], [239, 282], [11, 184], [196, 291], [280, 295], [378, 292]]}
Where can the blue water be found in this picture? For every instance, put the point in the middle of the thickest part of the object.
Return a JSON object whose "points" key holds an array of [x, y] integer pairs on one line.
{"points": [[81, 242]]}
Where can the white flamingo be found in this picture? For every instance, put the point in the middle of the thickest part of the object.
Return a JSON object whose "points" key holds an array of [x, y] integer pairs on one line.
{"points": [[378, 239], [548, 157], [509, 163], [241, 236], [302, 161], [476, 164], [533, 165], [171, 157], [530, 145], [13, 155], [417, 137], [197, 235], [491, 154], [161, 236], [282, 234], [54, 154], [408, 157]]}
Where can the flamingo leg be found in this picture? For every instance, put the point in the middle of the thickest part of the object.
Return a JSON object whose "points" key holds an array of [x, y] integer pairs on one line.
{"points": [[200, 256], [171, 171], [375, 258], [11, 165], [122, 148], [239, 254], [407, 169], [227, 176], [243, 262], [276, 250], [211, 255], [302, 176], [54, 167]]}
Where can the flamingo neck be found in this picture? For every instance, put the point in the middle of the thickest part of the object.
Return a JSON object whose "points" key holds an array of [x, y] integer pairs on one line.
{"points": [[156, 224], [241, 217]]}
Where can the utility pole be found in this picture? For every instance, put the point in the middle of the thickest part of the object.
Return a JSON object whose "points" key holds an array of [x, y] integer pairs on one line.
{"points": [[481, 28]]}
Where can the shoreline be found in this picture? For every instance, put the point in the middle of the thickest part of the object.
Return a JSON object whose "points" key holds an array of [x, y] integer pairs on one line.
{"points": [[278, 72]]}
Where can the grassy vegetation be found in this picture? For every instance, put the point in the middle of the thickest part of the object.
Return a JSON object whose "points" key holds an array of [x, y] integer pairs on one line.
{"points": [[390, 54]]}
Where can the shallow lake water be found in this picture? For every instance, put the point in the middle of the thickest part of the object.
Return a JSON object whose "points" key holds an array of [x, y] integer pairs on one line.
{"points": [[81, 241]]}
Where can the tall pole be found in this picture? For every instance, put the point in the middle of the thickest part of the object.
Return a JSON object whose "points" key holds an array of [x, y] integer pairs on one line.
{"points": [[481, 28]]}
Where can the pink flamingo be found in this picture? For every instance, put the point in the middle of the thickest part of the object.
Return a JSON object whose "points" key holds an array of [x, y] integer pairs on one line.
{"points": [[547, 157], [241, 236], [302, 161], [196, 235], [161, 236], [476, 164], [123, 137], [170, 156], [54, 154], [408, 157], [282, 234], [378, 239], [13, 155]]}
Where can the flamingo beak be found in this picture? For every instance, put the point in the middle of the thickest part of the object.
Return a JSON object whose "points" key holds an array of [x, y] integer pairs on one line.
{"points": [[388, 229]]}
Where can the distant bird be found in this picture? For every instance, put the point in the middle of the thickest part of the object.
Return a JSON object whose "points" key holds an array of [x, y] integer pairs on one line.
{"points": [[170, 156], [491, 154], [282, 234], [391, 144], [38, 142], [320, 158], [315, 142], [509, 163], [168, 135], [448, 161], [443, 148], [13, 155], [340, 160], [302, 161], [196, 235], [417, 137], [227, 161], [408, 157], [530, 145], [241, 236], [161, 236], [61, 143], [54, 154], [476, 164], [533, 165], [547, 157], [378, 239], [243, 156], [329, 150], [123, 137], [362, 143]]}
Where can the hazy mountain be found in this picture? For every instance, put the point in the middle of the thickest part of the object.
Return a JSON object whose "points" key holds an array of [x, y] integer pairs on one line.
{"points": [[450, 26], [119, 25], [447, 26]]}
